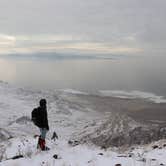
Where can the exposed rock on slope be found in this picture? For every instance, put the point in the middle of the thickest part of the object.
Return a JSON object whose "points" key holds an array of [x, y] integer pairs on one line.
{"points": [[4, 134], [119, 130]]}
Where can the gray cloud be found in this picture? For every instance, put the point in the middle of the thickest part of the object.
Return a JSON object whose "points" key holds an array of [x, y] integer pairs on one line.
{"points": [[129, 23]]}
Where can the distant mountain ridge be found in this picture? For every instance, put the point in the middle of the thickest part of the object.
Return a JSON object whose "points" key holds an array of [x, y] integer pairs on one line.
{"points": [[57, 56]]}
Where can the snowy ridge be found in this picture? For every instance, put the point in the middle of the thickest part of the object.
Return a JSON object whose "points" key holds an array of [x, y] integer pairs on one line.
{"points": [[134, 94], [72, 91], [120, 130]]}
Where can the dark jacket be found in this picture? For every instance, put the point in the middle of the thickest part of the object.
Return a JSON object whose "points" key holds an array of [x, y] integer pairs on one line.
{"points": [[42, 120]]}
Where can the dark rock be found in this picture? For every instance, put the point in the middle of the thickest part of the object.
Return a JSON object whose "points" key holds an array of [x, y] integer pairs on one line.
{"points": [[101, 154], [90, 161], [122, 156], [130, 155], [73, 142], [17, 157], [117, 140], [54, 136], [144, 159], [153, 159], [70, 142], [155, 146], [55, 156], [103, 147]]}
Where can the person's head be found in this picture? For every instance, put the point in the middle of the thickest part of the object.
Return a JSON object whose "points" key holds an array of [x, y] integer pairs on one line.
{"points": [[43, 103]]}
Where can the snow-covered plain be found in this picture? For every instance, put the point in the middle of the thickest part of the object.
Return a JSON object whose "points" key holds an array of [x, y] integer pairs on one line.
{"points": [[67, 116]]}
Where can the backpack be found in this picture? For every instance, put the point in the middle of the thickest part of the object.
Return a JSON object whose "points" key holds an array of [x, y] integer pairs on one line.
{"points": [[35, 116]]}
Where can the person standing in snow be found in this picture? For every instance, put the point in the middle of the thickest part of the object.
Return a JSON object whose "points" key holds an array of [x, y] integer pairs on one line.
{"points": [[39, 117]]}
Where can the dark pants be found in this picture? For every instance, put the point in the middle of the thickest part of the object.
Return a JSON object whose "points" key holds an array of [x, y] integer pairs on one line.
{"points": [[41, 141], [43, 132]]}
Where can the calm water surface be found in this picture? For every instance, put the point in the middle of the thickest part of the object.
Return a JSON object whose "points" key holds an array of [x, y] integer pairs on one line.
{"points": [[127, 73]]}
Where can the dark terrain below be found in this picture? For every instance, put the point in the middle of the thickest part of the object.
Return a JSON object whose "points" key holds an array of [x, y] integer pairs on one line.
{"points": [[138, 109]]}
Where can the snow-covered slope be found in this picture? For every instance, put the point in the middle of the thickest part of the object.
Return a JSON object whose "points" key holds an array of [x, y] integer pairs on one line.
{"points": [[77, 118], [80, 155], [120, 130]]}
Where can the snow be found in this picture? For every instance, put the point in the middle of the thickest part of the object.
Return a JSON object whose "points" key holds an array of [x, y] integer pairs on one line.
{"points": [[133, 94], [72, 91], [66, 118], [80, 155]]}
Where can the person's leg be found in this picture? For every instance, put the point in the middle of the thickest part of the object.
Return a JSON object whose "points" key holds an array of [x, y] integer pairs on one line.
{"points": [[42, 137], [43, 132]]}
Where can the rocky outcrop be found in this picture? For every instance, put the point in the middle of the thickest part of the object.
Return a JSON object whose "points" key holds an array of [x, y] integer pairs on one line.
{"points": [[120, 130], [4, 134], [139, 136]]}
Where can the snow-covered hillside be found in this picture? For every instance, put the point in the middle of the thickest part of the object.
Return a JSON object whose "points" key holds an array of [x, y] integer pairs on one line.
{"points": [[79, 119]]}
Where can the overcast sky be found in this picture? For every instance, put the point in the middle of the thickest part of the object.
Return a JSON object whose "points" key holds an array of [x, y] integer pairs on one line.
{"points": [[83, 26]]}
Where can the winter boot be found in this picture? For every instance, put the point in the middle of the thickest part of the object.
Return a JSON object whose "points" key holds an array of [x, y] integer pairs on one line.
{"points": [[42, 144]]}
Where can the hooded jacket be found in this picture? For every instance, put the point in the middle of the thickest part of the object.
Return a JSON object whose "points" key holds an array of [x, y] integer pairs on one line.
{"points": [[42, 120]]}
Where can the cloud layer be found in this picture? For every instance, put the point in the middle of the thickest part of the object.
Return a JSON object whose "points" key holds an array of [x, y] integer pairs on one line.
{"points": [[110, 26]]}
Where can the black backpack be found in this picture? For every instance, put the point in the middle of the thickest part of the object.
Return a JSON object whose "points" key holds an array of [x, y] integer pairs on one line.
{"points": [[35, 116]]}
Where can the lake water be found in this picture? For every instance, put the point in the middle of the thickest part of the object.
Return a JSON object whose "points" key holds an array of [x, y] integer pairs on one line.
{"points": [[142, 73]]}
